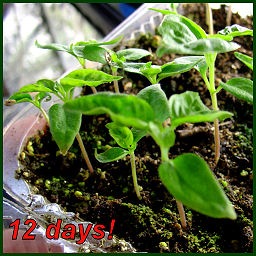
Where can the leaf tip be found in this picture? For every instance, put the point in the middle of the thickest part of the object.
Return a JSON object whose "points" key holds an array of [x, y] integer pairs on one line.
{"points": [[230, 211]]}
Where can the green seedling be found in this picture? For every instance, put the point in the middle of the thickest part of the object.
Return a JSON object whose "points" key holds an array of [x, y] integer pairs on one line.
{"points": [[155, 73], [64, 125], [119, 59], [187, 177], [90, 50], [125, 139], [181, 35]]}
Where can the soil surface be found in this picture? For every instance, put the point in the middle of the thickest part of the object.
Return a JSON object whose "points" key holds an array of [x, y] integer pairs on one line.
{"points": [[153, 224]]}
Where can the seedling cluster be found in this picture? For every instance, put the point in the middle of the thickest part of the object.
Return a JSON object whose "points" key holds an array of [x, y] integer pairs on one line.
{"points": [[187, 177]]}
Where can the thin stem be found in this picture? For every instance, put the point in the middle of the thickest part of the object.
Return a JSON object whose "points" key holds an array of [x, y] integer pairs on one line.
{"points": [[85, 155], [94, 90], [229, 16], [216, 129], [182, 214], [215, 107], [134, 175], [209, 20], [44, 114], [114, 71]]}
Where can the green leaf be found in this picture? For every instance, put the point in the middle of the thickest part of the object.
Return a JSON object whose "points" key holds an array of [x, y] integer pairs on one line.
{"points": [[164, 137], [173, 29], [56, 47], [133, 67], [138, 134], [179, 29], [178, 66], [227, 38], [247, 60], [133, 53], [21, 97], [127, 110], [202, 67], [156, 98], [236, 30], [121, 134], [43, 85], [64, 126], [90, 77], [197, 47], [165, 12], [187, 107], [111, 155], [95, 43], [150, 70], [240, 87], [43, 96], [91, 52], [189, 179]]}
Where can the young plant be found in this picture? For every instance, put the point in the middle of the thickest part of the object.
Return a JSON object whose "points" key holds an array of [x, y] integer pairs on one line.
{"points": [[155, 73], [64, 125], [127, 141], [181, 35], [187, 177], [90, 50], [127, 138], [118, 59]]}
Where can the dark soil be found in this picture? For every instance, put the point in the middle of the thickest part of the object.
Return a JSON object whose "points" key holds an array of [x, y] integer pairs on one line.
{"points": [[153, 224]]}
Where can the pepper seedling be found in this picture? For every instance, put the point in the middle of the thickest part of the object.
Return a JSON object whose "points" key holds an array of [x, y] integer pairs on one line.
{"points": [[187, 177], [181, 35], [64, 126], [118, 59], [89, 50], [155, 73], [127, 138]]}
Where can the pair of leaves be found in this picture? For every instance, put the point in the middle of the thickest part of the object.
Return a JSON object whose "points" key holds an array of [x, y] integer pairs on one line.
{"points": [[127, 138], [90, 50], [123, 137], [183, 36], [26, 97], [150, 106], [178, 66], [240, 87]]}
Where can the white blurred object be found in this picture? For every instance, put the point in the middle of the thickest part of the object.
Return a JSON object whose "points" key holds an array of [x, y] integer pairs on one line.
{"points": [[244, 9]]}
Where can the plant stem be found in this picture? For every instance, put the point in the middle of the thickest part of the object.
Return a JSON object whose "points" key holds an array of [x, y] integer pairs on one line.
{"points": [[85, 155], [94, 90], [216, 129], [209, 21], [182, 214], [115, 81], [44, 114], [134, 175], [215, 107]]}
